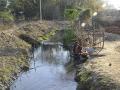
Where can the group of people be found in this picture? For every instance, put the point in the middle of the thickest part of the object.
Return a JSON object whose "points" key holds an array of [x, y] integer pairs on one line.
{"points": [[80, 55]]}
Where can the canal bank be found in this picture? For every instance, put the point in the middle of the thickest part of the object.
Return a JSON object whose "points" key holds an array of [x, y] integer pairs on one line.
{"points": [[15, 51], [101, 72]]}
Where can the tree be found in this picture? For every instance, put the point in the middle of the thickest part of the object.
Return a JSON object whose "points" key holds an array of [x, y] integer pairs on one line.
{"points": [[50, 9], [29, 8], [80, 13], [85, 8], [5, 13], [2, 5]]}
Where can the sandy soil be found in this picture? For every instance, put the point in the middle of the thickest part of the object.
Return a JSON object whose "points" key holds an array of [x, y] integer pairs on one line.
{"points": [[108, 61]]}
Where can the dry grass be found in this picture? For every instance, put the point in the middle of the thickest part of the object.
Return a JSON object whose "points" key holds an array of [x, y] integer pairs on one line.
{"points": [[9, 67], [113, 29], [109, 64], [37, 30], [8, 39], [5, 27]]}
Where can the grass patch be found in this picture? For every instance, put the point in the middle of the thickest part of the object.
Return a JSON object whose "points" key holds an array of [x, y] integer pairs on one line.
{"points": [[11, 65], [47, 36]]}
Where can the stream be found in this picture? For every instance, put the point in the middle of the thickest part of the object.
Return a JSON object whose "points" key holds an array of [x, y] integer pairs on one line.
{"points": [[47, 70]]}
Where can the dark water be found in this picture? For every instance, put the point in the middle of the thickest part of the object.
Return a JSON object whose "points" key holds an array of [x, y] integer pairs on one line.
{"points": [[47, 71]]}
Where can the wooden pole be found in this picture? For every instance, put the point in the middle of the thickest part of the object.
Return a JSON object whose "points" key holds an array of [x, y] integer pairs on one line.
{"points": [[40, 10]]}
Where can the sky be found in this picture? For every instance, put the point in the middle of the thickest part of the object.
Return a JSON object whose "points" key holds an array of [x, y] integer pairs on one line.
{"points": [[114, 3]]}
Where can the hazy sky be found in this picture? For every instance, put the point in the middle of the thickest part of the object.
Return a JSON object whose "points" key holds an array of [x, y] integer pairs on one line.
{"points": [[115, 3]]}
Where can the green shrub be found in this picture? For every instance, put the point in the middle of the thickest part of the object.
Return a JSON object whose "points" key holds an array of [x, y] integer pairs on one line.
{"points": [[71, 14], [69, 37], [6, 15]]}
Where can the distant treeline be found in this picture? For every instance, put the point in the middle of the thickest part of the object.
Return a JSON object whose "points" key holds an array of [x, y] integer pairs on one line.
{"points": [[51, 9]]}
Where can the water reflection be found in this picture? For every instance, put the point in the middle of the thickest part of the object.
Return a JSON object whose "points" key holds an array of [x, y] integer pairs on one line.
{"points": [[47, 71]]}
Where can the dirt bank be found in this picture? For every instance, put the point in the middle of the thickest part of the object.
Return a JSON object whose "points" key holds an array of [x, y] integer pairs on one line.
{"points": [[14, 49], [103, 71], [13, 55]]}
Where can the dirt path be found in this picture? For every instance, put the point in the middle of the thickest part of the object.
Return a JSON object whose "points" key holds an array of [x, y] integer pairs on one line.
{"points": [[108, 64]]}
